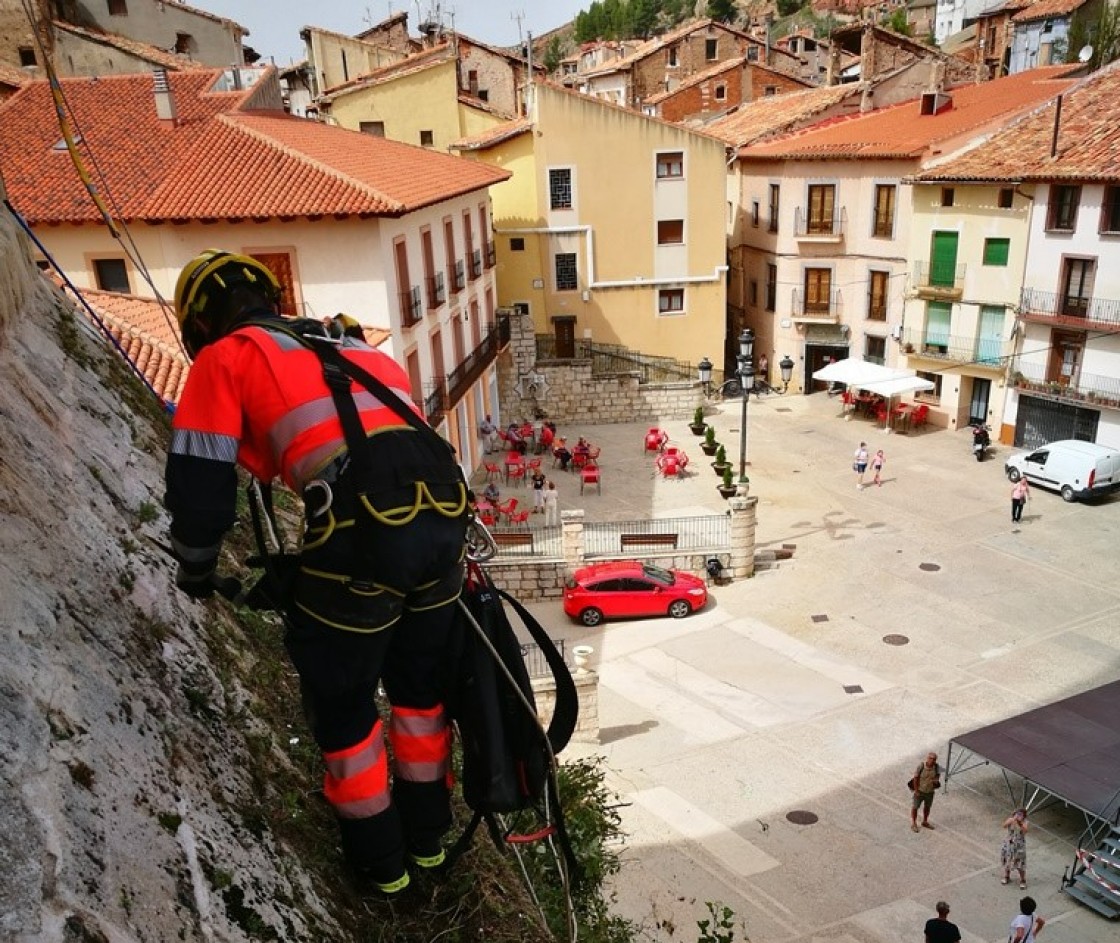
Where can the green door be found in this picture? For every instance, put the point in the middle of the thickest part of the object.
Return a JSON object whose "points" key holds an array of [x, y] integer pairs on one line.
{"points": [[943, 265]]}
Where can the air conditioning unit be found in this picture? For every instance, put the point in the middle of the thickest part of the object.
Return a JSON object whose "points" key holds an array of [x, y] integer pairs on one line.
{"points": [[896, 332]]}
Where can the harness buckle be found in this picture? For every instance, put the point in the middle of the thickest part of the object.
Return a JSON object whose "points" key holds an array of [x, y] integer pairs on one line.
{"points": [[479, 541]]}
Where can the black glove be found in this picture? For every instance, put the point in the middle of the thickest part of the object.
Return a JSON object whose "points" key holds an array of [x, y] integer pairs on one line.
{"points": [[196, 583]]}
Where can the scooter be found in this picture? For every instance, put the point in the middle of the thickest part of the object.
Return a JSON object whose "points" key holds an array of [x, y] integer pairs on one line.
{"points": [[980, 441]]}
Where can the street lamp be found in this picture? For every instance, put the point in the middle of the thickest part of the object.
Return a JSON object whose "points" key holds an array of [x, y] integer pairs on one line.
{"points": [[786, 366], [705, 368], [746, 381]]}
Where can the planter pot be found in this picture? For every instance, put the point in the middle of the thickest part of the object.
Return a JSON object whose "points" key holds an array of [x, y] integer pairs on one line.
{"points": [[721, 467], [726, 493], [698, 430], [709, 450]]}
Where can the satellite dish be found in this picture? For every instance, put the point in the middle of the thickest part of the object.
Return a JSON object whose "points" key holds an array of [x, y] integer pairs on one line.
{"points": [[1085, 54]]}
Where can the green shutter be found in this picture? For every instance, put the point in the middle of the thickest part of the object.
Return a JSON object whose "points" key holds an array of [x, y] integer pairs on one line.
{"points": [[996, 251], [943, 266]]}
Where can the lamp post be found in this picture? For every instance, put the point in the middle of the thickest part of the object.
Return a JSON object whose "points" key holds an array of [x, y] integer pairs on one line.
{"points": [[786, 366], [746, 381], [705, 369]]}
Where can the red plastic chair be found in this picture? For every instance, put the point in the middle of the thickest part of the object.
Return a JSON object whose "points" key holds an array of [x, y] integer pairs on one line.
{"points": [[505, 510], [520, 519], [493, 472], [655, 439], [589, 475], [515, 472], [670, 466], [489, 518], [594, 453], [881, 415], [921, 414], [579, 460]]}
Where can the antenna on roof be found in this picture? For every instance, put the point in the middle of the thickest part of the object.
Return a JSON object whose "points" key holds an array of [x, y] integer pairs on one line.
{"points": [[518, 15]]}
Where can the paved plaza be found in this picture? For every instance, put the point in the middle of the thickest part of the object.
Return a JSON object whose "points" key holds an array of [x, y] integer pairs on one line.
{"points": [[782, 696]]}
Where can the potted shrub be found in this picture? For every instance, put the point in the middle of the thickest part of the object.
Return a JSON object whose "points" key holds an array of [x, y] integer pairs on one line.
{"points": [[698, 426], [727, 487], [721, 463], [709, 445]]}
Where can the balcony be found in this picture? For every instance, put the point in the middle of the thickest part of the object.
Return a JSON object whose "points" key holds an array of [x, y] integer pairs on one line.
{"points": [[476, 264], [1047, 307], [816, 310], [458, 277], [435, 402], [410, 306], [491, 254], [1084, 389], [939, 283], [463, 376], [811, 228], [437, 293], [922, 344]]}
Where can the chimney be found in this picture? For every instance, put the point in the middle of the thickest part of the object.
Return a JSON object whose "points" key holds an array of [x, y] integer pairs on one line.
{"points": [[165, 103]]}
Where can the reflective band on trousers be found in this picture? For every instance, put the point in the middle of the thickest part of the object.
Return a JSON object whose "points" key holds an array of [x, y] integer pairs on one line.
{"points": [[357, 778], [421, 743]]}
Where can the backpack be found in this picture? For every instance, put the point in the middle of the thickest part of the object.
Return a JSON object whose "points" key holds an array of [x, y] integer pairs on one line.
{"points": [[509, 759]]}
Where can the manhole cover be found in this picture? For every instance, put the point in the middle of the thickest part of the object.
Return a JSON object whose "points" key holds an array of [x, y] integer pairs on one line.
{"points": [[929, 567], [853, 688], [802, 817], [819, 618], [896, 640]]}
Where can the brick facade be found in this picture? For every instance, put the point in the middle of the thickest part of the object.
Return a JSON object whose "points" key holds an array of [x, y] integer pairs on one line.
{"points": [[739, 84], [654, 74]]}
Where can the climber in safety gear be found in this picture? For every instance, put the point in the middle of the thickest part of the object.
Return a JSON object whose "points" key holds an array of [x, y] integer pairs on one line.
{"points": [[381, 562]]}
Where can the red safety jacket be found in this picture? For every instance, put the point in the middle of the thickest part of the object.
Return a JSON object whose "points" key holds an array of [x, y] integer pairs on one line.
{"points": [[257, 398]]}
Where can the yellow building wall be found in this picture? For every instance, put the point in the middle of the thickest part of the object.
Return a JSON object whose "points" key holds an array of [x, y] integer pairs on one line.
{"points": [[426, 100]]}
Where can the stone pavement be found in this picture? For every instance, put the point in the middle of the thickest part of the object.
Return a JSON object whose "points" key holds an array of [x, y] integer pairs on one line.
{"points": [[782, 696]]}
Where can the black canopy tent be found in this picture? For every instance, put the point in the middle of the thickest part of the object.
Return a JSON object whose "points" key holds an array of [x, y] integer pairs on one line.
{"points": [[1068, 751]]}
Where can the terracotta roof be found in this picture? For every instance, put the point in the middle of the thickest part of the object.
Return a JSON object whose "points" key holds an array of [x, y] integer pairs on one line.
{"points": [[13, 77], [1088, 140], [902, 131], [219, 161], [728, 66], [493, 136], [1045, 9], [775, 114], [145, 51]]}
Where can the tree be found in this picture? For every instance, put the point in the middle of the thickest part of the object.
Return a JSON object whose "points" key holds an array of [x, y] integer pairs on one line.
{"points": [[898, 22], [553, 53], [643, 17], [788, 7], [723, 11]]}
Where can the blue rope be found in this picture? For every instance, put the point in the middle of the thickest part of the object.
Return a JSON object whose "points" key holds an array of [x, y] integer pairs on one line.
{"points": [[168, 406]]}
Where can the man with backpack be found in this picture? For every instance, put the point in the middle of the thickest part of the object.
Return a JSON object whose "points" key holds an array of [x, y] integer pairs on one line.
{"points": [[381, 564]]}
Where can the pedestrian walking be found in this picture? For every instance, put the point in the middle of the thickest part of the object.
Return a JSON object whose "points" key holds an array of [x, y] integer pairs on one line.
{"points": [[538, 482], [939, 929], [1020, 495], [551, 504], [926, 779], [489, 433], [1026, 927], [877, 466], [1013, 851], [859, 464]]}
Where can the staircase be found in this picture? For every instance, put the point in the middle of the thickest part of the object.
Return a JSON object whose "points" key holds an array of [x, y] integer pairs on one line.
{"points": [[1095, 879]]}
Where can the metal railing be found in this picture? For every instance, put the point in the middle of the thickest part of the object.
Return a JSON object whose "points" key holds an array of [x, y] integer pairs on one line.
{"points": [[1089, 388], [1098, 313], [808, 225], [545, 541], [609, 359], [458, 277], [935, 278], [713, 532], [410, 305], [535, 662], [435, 403], [802, 307], [957, 348], [460, 380], [476, 263], [436, 293], [491, 254]]}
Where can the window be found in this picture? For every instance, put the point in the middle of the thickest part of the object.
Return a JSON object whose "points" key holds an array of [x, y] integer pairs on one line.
{"points": [[672, 57], [111, 275], [721, 93], [754, 212], [711, 49], [426, 138], [1078, 277], [516, 244], [670, 164], [118, 8], [670, 301], [990, 335], [184, 44], [560, 188], [752, 53], [875, 350], [1006, 198], [930, 396], [884, 210], [938, 317], [769, 90], [996, 251], [822, 206], [752, 291], [567, 273], [455, 274], [670, 232], [818, 291], [26, 56], [948, 194], [877, 283], [1110, 210], [1062, 213], [775, 190], [771, 286], [375, 128]]}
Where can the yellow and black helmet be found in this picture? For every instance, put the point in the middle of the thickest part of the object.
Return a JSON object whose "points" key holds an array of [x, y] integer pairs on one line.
{"points": [[207, 276], [342, 325]]}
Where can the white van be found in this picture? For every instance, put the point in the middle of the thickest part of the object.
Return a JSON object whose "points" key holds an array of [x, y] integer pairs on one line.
{"points": [[1076, 469]]}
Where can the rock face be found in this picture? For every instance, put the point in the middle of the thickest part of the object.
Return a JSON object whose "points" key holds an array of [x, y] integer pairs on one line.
{"points": [[142, 794]]}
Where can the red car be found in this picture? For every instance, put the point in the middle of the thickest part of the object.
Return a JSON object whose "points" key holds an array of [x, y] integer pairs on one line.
{"points": [[620, 590]]}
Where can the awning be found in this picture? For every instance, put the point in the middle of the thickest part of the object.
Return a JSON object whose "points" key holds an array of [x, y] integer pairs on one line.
{"points": [[856, 372], [898, 385]]}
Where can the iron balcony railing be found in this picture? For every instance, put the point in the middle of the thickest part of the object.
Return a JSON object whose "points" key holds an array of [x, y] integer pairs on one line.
{"points": [[437, 294], [535, 662], [1101, 314], [955, 348], [1086, 388], [410, 305], [435, 403], [712, 532], [811, 226], [458, 277], [491, 254], [476, 264], [609, 359], [825, 309], [460, 380], [935, 278]]}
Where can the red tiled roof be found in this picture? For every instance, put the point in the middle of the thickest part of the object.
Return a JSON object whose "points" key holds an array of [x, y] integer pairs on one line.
{"points": [[1088, 140], [145, 51], [764, 117], [721, 67], [901, 131], [1045, 9], [218, 162], [495, 135], [13, 77]]}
